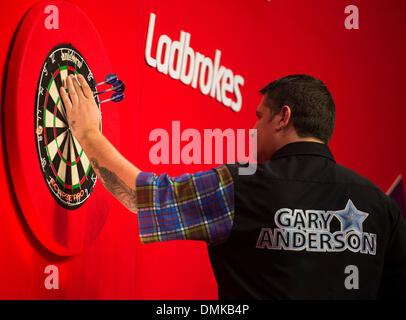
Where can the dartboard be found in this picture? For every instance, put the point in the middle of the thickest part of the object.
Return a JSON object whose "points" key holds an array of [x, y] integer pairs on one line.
{"points": [[55, 187], [65, 167]]}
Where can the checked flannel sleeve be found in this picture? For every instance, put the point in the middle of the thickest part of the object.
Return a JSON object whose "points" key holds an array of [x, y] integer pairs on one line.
{"points": [[196, 206]]}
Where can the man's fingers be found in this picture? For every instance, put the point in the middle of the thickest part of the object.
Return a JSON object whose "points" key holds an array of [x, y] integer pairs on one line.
{"points": [[78, 89], [65, 99], [85, 87], [72, 91]]}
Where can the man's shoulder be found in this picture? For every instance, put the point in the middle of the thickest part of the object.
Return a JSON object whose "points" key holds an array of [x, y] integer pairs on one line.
{"points": [[336, 173], [347, 175]]}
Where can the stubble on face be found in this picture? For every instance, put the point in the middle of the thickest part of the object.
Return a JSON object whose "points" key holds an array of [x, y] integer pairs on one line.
{"points": [[265, 131]]}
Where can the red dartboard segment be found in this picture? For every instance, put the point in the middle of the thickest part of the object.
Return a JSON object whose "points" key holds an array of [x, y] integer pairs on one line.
{"points": [[62, 231]]}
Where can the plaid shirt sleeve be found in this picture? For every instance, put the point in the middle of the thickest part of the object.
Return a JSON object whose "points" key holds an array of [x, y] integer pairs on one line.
{"points": [[196, 206]]}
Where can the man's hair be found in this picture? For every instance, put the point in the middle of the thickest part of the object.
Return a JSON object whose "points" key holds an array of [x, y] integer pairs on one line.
{"points": [[312, 106]]}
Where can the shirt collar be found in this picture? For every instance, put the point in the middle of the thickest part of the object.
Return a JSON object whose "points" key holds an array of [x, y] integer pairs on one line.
{"points": [[304, 148]]}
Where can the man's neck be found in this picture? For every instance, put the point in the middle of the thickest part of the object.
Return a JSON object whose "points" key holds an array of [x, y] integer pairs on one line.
{"points": [[307, 139], [295, 138]]}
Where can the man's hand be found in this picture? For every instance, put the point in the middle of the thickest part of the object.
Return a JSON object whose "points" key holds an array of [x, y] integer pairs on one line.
{"points": [[116, 173], [82, 113]]}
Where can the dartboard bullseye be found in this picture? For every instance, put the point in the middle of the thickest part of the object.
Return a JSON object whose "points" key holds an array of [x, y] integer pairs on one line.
{"points": [[65, 167]]}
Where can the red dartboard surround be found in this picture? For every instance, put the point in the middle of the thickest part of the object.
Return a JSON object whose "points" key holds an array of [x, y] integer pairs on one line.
{"points": [[66, 212]]}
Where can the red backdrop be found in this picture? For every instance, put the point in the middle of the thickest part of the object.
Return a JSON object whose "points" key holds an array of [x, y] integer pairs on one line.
{"points": [[260, 40]]}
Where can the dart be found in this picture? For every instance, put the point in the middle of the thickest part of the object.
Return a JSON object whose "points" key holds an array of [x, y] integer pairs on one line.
{"points": [[111, 78], [118, 86], [116, 97]]}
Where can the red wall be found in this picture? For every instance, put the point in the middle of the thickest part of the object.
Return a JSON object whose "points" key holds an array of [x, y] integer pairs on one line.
{"points": [[259, 40]]}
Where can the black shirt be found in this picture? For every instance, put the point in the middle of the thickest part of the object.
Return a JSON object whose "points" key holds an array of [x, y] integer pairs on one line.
{"points": [[308, 228]]}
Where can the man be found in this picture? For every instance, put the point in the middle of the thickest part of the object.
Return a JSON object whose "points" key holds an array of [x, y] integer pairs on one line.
{"points": [[301, 227]]}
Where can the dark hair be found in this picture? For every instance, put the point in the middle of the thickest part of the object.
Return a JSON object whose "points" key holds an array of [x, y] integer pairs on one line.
{"points": [[311, 104]]}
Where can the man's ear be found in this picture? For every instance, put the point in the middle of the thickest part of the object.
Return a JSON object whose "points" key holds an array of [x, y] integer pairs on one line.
{"points": [[284, 116]]}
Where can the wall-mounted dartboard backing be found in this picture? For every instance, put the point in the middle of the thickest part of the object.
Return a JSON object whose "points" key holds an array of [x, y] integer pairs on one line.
{"points": [[57, 190]]}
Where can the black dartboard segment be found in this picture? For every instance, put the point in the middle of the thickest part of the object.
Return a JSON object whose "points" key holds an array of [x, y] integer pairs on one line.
{"points": [[65, 167]]}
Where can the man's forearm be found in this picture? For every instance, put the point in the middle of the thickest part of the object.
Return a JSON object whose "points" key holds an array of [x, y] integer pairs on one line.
{"points": [[116, 173]]}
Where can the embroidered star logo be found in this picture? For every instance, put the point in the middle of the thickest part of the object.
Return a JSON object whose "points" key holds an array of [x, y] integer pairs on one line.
{"points": [[351, 217]]}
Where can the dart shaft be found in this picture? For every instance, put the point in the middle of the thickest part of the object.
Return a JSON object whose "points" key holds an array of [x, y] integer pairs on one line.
{"points": [[116, 97], [118, 87], [111, 89], [107, 100]]}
